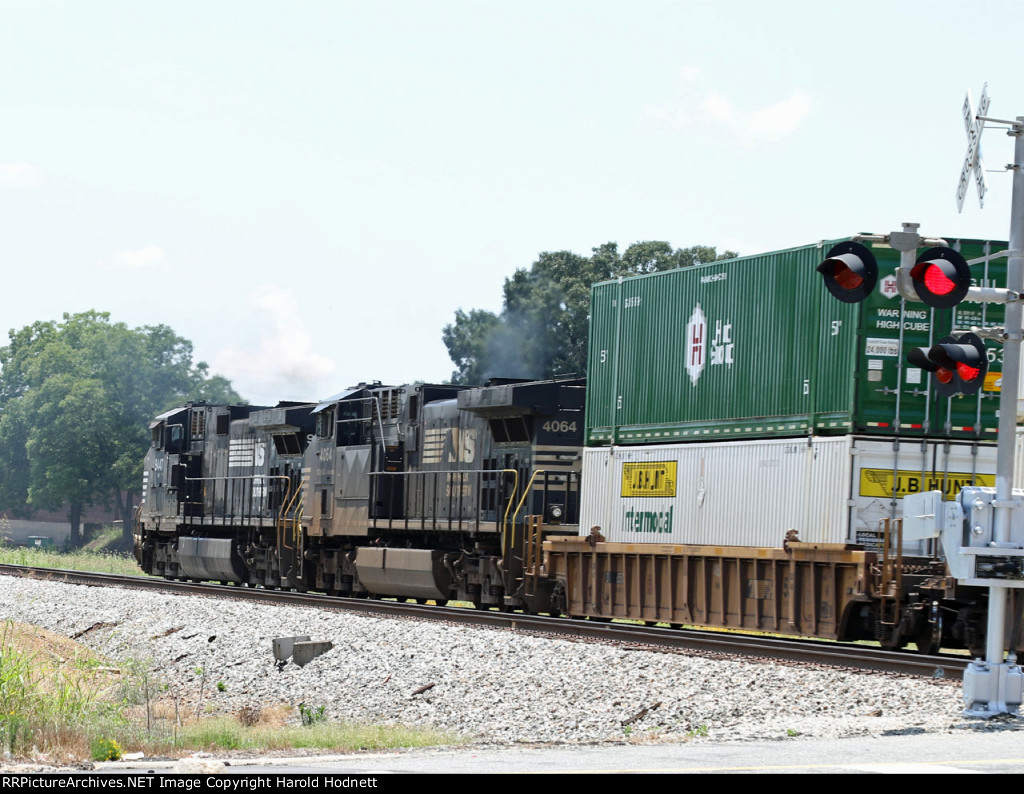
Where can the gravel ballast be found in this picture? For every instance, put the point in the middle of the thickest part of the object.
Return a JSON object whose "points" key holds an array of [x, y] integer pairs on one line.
{"points": [[486, 686]]}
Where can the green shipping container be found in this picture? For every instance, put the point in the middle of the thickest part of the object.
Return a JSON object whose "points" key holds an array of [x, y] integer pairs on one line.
{"points": [[756, 347]]}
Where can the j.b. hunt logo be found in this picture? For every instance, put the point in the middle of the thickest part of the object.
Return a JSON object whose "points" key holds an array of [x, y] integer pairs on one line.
{"points": [[697, 347]]}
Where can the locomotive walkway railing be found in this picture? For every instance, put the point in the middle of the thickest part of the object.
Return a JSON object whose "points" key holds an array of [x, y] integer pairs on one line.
{"points": [[217, 501], [467, 499], [450, 499]]}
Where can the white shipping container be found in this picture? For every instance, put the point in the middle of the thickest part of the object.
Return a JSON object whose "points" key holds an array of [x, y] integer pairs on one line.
{"points": [[833, 489]]}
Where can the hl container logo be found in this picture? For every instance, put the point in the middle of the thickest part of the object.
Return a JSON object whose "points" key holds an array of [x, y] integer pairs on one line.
{"points": [[887, 286], [697, 344]]}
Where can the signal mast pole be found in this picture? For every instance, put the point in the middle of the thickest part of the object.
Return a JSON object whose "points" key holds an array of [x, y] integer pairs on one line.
{"points": [[1004, 503], [994, 686]]}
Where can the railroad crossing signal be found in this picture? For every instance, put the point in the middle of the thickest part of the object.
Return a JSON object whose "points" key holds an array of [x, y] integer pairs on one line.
{"points": [[850, 272], [941, 277], [958, 364]]}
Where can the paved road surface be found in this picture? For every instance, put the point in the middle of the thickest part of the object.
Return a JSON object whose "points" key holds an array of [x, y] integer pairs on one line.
{"points": [[1001, 751]]}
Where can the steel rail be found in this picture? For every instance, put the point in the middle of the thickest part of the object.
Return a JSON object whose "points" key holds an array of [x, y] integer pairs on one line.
{"points": [[811, 652]]}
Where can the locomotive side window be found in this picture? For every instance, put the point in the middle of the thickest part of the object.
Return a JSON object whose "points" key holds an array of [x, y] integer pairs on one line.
{"points": [[174, 437], [287, 444], [519, 428], [350, 425], [325, 423], [158, 436], [223, 424], [498, 430], [512, 429]]}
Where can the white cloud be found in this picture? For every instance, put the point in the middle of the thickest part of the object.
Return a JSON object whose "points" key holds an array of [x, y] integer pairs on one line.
{"points": [[281, 364], [148, 257], [781, 119], [689, 74], [701, 106], [20, 176]]}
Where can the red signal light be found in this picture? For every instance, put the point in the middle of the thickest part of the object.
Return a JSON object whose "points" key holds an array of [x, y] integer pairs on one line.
{"points": [[966, 372], [941, 277], [850, 272], [846, 278], [938, 282]]}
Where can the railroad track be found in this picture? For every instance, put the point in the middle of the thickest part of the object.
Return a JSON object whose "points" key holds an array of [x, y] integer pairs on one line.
{"points": [[860, 657]]}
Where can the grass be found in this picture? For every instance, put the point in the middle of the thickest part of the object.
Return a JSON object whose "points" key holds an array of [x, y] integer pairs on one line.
{"points": [[62, 703], [51, 690], [227, 733], [99, 555]]}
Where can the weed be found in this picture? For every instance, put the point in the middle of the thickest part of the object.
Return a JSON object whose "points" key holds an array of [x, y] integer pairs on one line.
{"points": [[249, 715], [791, 733], [700, 731], [222, 687], [311, 717], [48, 700], [104, 749], [199, 671]]}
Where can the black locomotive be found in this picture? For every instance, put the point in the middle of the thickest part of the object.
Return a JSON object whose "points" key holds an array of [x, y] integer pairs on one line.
{"points": [[417, 491]]}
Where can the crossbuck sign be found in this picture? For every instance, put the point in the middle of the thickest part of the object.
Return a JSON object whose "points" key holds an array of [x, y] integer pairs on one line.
{"points": [[974, 125]]}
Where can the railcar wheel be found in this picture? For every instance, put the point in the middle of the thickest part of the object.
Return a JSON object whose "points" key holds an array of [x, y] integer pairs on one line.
{"points": [[929, 637]]}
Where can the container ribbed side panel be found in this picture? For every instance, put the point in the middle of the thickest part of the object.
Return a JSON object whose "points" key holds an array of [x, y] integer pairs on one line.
{"points": [[744, 493], [756, 347], [829, 489]]}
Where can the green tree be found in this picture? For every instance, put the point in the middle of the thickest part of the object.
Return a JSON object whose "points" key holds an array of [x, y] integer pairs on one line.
{"points": [[544, 323], [466, 340], [76, 398]]}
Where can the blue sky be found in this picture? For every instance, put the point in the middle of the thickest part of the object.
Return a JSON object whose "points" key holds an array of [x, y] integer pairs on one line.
{"points": [[309, 190]]}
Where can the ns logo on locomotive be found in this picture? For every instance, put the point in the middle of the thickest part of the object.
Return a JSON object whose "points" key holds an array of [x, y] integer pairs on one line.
{"points": [[719, 467]]}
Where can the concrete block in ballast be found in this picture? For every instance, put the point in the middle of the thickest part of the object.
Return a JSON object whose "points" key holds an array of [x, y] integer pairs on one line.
{"points": [[283, 646], [304, 652]]}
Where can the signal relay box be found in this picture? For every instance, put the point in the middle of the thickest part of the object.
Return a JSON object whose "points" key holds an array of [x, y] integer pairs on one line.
{"points": [[967, 528]]}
